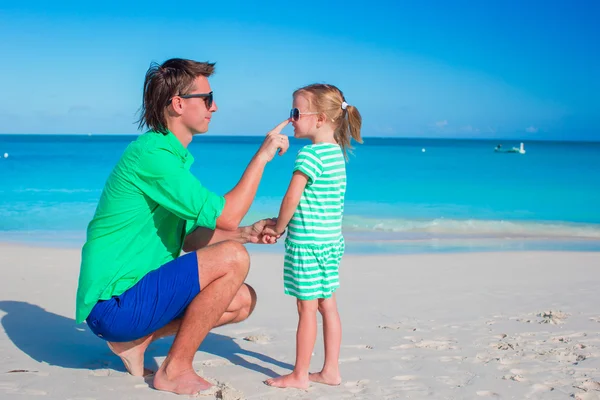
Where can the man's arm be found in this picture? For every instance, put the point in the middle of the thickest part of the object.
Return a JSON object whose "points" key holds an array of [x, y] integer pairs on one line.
{"points": [[202, 237], [239, 199]]}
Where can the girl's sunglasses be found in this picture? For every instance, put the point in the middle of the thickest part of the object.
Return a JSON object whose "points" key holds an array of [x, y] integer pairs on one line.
{"points": [[208, 98], [295, 114]]}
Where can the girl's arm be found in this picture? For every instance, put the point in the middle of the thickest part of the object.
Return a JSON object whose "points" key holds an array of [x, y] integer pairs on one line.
{"points": [[290, 203]]}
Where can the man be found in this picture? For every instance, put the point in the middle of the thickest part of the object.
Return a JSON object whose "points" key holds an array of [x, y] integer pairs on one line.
{"points": [[133, 285]]}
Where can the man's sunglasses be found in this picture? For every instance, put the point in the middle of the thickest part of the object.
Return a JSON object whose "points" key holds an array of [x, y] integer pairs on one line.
{"points": [[208, 98], [295, 114]]}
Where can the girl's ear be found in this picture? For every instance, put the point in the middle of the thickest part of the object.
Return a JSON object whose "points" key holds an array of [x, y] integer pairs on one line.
{"points": [[321, 119]]}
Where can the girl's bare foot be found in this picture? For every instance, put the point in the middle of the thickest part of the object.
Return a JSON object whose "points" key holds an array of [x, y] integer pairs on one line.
{"points": [[290, 380], [132, 355], [327, 379], [186, 382]]}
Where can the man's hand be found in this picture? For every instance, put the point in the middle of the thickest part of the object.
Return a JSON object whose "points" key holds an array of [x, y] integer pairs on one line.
{"points": [[270, 231], [270, 234], [274, 141], [255, 232]]}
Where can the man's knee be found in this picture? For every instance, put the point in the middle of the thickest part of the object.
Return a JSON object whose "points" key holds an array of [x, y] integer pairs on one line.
{"points": [[251, 299], [237, 256], [243, 304]]}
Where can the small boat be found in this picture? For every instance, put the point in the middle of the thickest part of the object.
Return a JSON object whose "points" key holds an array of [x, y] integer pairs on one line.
{"points": [[520, 149]]}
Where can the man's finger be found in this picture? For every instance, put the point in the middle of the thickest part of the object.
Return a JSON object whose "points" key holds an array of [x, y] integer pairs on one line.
{"points": [[284, 145], [280, 126], [258, 226]]}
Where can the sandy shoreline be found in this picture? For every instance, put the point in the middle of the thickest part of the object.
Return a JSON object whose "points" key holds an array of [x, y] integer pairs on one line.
{"points": [[444, 326]]}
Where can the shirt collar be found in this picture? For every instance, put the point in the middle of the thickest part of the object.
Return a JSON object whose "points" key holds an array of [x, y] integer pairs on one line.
{"points": [[178, 148]]}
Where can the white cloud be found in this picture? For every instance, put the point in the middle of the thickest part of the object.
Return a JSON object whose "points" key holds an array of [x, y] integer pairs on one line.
{"points": [[441, 124], [469, 129], [384, 130], [531, 129]]}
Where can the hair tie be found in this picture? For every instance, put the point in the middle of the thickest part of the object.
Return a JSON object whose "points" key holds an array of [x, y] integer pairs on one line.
{"points": [[344, 105]]}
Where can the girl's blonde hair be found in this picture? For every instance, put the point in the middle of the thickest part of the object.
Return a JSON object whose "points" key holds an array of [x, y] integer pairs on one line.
{"points": [[328, 99]]}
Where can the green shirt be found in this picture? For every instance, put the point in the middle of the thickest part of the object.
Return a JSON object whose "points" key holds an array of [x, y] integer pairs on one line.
{"points": [[318, 217], [140, 221]]}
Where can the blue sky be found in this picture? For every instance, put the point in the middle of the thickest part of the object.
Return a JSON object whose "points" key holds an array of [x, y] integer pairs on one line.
{"points": [[476, 69]]}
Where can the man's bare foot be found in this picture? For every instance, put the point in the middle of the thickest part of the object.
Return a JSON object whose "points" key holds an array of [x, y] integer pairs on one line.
{"points": [[289, 380], [327, 379], [132, 355], [186, 382]]}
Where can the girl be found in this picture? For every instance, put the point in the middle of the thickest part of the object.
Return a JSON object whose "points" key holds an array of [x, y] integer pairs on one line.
{"points": [[312, 211]]}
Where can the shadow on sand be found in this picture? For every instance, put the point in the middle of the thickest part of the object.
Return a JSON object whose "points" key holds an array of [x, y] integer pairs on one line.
{"points": [[57, 340]]}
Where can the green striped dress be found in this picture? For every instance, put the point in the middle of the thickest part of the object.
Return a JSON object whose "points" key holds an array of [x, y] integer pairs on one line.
{"points": [[314, 244]]}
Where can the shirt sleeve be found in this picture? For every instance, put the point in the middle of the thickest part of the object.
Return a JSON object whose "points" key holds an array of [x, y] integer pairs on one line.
{"points": [[164, 178], [309, 163]]}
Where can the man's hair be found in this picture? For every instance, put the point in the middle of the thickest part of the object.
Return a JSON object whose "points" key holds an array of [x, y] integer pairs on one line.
{"points": [[174, 77]]}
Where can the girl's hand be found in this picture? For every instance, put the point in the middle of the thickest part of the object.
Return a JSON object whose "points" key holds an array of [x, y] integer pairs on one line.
{"points": [[270, 231], [266, 239], [270, 235], [255, 232]]}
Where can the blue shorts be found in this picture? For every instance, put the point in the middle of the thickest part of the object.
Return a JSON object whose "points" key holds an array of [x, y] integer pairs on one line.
{"points": [[157, 299]]}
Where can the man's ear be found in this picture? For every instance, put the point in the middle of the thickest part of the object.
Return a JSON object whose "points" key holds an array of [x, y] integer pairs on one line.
{"points": [[176, 105]]}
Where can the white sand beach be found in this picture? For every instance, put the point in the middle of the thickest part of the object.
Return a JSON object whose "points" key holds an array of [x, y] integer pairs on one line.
{"points": [[446, 326]]}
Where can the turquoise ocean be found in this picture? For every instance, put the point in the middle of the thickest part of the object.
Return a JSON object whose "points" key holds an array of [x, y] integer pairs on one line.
{"points": [[403, 195]]}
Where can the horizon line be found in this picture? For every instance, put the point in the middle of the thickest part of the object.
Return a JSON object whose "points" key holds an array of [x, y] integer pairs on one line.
{"points": [[370, 137]]}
